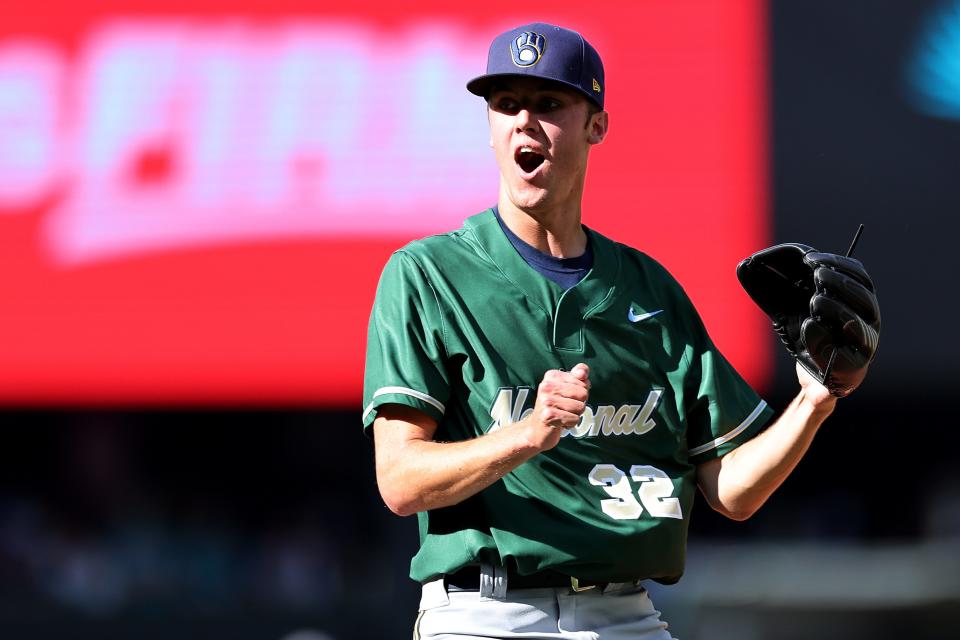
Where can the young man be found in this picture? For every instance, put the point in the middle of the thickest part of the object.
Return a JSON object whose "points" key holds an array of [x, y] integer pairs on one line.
{"points": [[547, 400]]}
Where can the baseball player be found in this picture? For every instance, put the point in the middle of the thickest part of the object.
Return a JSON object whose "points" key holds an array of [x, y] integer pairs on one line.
{"points": [[547, 400]]}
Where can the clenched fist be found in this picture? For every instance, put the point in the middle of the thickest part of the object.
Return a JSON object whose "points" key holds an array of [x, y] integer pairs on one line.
{"points": [[561, 400]]}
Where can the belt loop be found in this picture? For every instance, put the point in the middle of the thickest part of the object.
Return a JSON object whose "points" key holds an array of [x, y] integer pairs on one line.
{"points": [[500, 582], [493, 581]]}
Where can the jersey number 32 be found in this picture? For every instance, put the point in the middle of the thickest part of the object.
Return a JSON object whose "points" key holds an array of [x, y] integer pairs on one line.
{"points": [[655, 492]]}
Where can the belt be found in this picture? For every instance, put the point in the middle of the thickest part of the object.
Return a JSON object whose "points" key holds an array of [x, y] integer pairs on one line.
{"points": [[468, 579]]}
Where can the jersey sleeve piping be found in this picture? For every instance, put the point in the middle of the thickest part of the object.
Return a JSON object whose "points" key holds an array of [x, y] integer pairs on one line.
{"points": [[727, 437], [413, 393]]}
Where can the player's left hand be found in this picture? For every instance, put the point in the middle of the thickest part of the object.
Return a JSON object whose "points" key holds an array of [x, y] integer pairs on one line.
{"points": [[824, 308], [813, 391]]}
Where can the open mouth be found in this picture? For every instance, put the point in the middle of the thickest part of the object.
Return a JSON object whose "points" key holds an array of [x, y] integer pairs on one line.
{"points": [[528, 159]]}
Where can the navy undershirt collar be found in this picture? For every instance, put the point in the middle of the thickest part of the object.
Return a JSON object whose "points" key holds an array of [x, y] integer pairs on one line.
{"points": [[566, 272]]}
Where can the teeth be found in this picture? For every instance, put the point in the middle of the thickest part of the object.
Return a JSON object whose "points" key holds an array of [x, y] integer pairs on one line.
{"points": [[526, 150]]}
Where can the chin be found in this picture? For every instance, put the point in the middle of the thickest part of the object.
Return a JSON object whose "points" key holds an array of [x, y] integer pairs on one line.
{"points": [[527, 194], [530, 200]]}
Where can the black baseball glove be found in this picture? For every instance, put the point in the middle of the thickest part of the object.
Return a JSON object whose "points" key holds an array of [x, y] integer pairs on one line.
{"points": [[823, 307]]}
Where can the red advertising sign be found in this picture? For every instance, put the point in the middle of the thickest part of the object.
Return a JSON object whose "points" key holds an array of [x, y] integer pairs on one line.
{"points": [[196, 200]]}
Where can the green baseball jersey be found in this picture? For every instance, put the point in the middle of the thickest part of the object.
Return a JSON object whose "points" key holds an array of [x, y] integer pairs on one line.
{"points": [[463, 329]]}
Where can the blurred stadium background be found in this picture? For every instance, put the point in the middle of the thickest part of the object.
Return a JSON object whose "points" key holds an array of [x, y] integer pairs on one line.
{"points": [[196, 200]]}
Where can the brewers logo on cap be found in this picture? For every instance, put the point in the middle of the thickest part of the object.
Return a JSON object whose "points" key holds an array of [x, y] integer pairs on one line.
{"points": [[527, 48], [522, 52]]}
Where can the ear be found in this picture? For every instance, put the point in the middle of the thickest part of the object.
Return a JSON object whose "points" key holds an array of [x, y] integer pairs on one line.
{"points": [[597, 127]]}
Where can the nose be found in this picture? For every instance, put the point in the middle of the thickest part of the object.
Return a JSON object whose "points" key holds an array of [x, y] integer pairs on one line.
{"points": [[525, 121]]}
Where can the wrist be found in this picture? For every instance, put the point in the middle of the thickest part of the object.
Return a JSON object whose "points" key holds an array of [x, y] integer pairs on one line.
{"points": [[818, 406], [536, 437]]}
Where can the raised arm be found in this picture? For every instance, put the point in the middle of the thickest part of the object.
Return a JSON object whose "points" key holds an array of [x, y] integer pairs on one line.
{"points": [[738, 483], [415, 473]]}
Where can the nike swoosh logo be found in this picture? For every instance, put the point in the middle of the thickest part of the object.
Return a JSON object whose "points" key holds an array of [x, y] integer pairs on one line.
{"points": [[632, 317]]}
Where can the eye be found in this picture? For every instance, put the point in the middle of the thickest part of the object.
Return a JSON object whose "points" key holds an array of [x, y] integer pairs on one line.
{"points": [[547, 104], [504, 104]]}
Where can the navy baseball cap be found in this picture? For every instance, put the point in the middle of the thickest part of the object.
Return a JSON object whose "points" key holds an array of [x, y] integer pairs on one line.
{"points": [[546, 51]]}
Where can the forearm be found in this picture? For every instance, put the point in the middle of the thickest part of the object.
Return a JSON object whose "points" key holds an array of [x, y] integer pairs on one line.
{"points": [[421, 474], [415, 473], [740, 482]]}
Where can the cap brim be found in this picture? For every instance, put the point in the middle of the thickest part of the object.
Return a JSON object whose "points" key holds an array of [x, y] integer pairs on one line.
{"points": [[481, 85]]}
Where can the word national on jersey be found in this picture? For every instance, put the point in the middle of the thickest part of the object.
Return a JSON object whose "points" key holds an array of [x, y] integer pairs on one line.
{"points": [[513, 405]]}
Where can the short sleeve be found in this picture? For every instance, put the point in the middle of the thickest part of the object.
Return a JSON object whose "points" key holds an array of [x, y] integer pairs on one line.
{"points": [[405, 352], [724, 411]]}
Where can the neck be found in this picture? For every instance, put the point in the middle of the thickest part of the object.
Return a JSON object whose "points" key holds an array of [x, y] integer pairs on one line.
{"points": [[555, 231]]}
